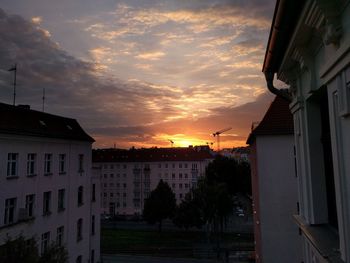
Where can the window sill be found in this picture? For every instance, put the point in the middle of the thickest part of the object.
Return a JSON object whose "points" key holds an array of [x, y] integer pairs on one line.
{"points": [[62, 173], [47, 213], [10, 177], [47, 174], [22, 221], [322, 237], [80, 204], [31, 175]]}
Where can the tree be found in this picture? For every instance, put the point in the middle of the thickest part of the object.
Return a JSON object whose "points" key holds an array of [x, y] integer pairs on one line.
{"points": [[159, 205], [188, 213], [54, 254], [21, 250]]}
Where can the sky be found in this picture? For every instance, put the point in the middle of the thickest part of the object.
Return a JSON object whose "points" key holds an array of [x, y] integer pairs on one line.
{"points": [[140, 73]]}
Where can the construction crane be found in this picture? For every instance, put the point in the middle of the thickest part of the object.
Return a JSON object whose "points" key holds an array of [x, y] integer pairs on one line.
{"points": [[172, 142], [217, 135]]}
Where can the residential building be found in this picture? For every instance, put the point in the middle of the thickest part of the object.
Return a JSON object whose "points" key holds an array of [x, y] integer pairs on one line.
{"points": [[274, 186], [308, 49], [45, 182], [128, 176]]}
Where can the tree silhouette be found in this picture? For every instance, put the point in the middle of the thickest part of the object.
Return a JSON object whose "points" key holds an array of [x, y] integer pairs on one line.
{"points": [[159, 205]]}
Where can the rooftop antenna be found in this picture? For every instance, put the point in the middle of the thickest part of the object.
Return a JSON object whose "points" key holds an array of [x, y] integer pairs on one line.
{"points": [[44, 99], [14, 68], [217, 134]]}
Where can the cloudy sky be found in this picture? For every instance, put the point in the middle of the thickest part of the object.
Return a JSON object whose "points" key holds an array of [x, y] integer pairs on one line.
{"points": [[139, 72]]}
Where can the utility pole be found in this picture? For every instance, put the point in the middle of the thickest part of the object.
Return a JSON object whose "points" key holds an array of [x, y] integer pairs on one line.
{"points": [[14, 68]]}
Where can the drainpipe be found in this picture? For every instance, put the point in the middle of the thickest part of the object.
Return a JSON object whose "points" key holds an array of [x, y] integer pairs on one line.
{"points": [[283, 93]]}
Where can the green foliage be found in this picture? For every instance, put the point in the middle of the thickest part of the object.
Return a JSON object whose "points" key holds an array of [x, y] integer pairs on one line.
{"points": [[54, 254], [188, 213], [212, 200], [160, 204], [21, 250], [227, 170]]}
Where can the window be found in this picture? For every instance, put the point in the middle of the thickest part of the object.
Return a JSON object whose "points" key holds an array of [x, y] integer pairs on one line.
{"points": [[111, 194], [61, 196], [79, 259], [180, 176], [173, 186], [48, 164], [104, 194], [80, 195], [186, 175], [60, 235], [124, 194], [80, 229], [81, 163], [30, 205], [112, 166], [105, 175], [93, 225], [186, 165], [62, 163], [173, 165], [124, 166], [45, 241], [47, 203], [31, 164], [111, 185], [180, 165], [93, 194], [180, 186], [92, 258], [10, 207], [166, 165], [124, 185], [173, 176], [112, 175], [12, 164], [194, 166]]}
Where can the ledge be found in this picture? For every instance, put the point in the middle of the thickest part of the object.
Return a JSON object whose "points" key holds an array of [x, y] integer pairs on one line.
{"points": [[10, 177], [22, 221], [323, 238], [31, 175]]}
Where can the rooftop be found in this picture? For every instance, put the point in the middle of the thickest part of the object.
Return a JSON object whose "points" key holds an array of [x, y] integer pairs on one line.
{"points": [[21, 120], [196, 153], [278, 120]]}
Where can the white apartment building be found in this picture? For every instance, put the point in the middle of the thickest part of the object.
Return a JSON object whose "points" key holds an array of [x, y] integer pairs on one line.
{"points": [[46, 188], [309, 50], [128, 176]]}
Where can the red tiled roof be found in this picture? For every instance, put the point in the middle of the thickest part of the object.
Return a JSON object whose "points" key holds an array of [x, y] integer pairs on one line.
{"points": [[278, 120], [23, 121], [199, 153]]}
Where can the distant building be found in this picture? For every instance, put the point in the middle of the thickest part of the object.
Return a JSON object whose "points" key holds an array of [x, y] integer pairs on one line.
{"points": [[274, 186], [241, 154], [308, 49], [128, 176], [46, 188]]}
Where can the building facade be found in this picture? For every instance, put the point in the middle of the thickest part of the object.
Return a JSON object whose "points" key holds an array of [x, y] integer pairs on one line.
{"points": [[128, 176], [274, 186], [308, 49], [46, 188]]}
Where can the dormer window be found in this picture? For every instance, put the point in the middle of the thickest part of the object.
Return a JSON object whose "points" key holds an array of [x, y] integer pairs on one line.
{"points": [[42, 123]]}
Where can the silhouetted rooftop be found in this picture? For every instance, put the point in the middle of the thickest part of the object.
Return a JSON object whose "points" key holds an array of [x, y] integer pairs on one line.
{"points": [[197, 153], [278, 120], [21, 120]]}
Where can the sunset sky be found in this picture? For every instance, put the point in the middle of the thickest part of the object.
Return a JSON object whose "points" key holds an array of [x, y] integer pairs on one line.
{"points": [[138, 73]]}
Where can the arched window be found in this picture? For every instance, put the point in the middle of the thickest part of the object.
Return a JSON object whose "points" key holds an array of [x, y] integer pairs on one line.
{"points": [[80, 195], [80, 229]]}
